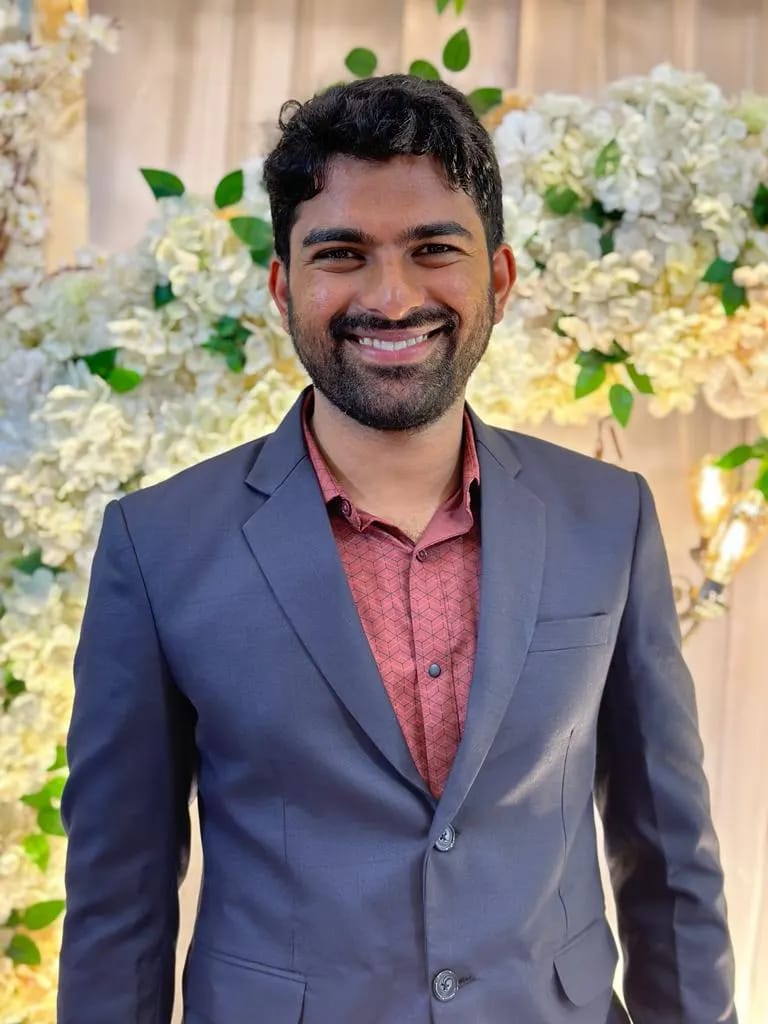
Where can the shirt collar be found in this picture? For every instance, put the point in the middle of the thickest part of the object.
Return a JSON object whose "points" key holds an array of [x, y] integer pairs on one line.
{"points": [[332, 491]]}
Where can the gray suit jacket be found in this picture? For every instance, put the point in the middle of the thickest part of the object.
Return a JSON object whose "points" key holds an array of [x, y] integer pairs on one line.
{"points": [[221, 644]]}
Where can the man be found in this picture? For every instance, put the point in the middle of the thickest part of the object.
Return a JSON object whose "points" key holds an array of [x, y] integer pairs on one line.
{"points": [[399, 650]]}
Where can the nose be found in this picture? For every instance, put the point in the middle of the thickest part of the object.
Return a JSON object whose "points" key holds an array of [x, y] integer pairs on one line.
{"points": [[390, 289]]}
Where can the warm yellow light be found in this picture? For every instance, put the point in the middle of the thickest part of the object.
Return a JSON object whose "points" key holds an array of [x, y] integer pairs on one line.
{"points": [[712, 490], [737, 536]]}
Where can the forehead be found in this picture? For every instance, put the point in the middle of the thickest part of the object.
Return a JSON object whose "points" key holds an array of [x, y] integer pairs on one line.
{"points": [[383, 197]]}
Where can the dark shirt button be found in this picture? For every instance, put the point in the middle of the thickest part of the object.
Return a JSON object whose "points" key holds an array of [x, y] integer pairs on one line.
{"points": [[445, 985], [421, 554], [434, 670], [447, 839]]}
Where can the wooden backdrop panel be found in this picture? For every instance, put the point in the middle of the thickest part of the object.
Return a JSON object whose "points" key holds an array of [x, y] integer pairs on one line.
{"points": [[196, 89]]}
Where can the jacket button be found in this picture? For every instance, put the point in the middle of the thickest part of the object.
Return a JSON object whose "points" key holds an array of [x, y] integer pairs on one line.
{"points": [[445, 985], [446, 840]]}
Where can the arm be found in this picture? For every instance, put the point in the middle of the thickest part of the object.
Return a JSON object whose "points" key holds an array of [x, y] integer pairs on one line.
{"points": [[125, 805], [651, 792]]}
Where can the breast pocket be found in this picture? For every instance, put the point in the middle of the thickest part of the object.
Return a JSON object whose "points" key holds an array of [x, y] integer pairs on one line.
{"points": [[564, 634], [223, 989]]}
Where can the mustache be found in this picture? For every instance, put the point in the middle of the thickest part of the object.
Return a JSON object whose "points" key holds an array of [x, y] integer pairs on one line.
{"points": [[426, 319]]}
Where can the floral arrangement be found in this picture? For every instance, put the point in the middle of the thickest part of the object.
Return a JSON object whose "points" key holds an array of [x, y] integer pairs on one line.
{"points": [[639, 224]]}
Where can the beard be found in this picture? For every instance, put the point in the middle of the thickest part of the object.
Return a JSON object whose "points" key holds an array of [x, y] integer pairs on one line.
{"points": [[405, 397]]}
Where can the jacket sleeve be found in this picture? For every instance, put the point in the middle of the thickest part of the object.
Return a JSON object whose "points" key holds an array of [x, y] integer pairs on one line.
{"points": [[661, 847], [130, 749]]}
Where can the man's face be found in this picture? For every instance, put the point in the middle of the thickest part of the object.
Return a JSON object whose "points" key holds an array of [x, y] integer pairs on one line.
{"points": [[388, 255]]}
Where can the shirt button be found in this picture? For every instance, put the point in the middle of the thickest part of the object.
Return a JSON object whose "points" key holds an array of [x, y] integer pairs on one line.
{"points": [[446, 840], [346, 508], [421, 555], [445, 985], [434, 670]]}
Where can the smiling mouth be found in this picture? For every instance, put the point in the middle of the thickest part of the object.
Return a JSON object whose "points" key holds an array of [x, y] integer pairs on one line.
{"points": [[385, 345]]}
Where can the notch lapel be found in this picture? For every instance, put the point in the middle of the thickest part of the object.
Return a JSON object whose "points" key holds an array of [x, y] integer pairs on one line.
{"points": [[512, 530], [291, 538]]}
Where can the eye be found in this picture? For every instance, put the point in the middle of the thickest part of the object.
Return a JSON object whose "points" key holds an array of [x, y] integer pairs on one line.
{"points": [[436, 249], [338, 254]]}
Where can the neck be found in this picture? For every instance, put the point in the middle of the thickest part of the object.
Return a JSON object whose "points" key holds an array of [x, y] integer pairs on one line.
{"points": [[385, 471]]}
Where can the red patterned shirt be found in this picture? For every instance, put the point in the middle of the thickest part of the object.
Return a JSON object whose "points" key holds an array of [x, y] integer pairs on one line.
{"points": [[417, 603]]}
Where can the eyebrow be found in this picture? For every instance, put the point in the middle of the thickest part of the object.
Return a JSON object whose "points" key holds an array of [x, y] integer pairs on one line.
{"points": [[415, 233]]}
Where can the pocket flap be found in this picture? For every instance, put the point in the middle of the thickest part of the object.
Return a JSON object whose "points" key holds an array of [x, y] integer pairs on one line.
{"points": [[560, 634], [585, 967], [223, 989]]}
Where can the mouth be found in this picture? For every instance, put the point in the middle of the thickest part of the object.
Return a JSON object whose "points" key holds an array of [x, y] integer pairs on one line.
{"points": [[393, 343]]}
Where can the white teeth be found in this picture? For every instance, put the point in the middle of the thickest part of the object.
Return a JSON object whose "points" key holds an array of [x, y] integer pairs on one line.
{"points": [[392, 346]]}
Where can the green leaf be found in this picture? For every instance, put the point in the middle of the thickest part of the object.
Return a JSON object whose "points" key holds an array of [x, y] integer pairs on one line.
{"points": [[61, 759], [101, 363], [162, 295], [483, 100], [591, 358], [760, 447], [456, 52], [361, 62], [561, 200], [590, 379], [55, 787], [163, 183], [49, 821], [441, 5], [621, 400], [15, 686], [31, 562], [760, 205], [735, 457], [761, 484], [606, 243], [559, 330], [230, 189], [423, 69], [608, 159], [459, 5], [38, 849], [253, 232], [641, 380], [22, 950], [594, 213], [40, 915], [719, 271], [122, 379], [38, 800], [617, 353], [236, 360], [733, 296], [14, 919]]}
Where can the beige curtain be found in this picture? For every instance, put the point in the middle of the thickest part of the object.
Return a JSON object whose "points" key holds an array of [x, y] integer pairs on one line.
{"points": [[196, 89]]}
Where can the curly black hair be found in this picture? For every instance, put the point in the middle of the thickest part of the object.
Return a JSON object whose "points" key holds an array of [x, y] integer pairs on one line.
{"points": [[377, 119]]}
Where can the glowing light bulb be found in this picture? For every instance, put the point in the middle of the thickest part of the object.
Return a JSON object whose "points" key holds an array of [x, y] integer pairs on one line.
{"points": [[737, 536], [712, 491]]}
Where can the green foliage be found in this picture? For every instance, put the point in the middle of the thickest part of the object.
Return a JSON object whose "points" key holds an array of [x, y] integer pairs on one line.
{"points": [[40, 915], [22, 950], [48, 815], [60, 761], [561, 199], [162, 295], [163, 183], [102, 364], [230, 189], [760, 206], [483, 100], [229, 339], [38, 849], [621, 400], [593, 375], [13, 687], [608, 159], [732, 295], [456, 52], [361, 62], [744, 453], [257, 235], [423, 69], [30, 563]]}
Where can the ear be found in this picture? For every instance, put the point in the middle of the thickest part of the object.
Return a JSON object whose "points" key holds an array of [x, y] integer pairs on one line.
{"points": [[278, 288], [503, 276]]}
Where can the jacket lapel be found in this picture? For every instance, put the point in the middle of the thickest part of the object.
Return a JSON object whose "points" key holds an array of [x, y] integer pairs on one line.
{"points": [[291, 538], [512, 525]]}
